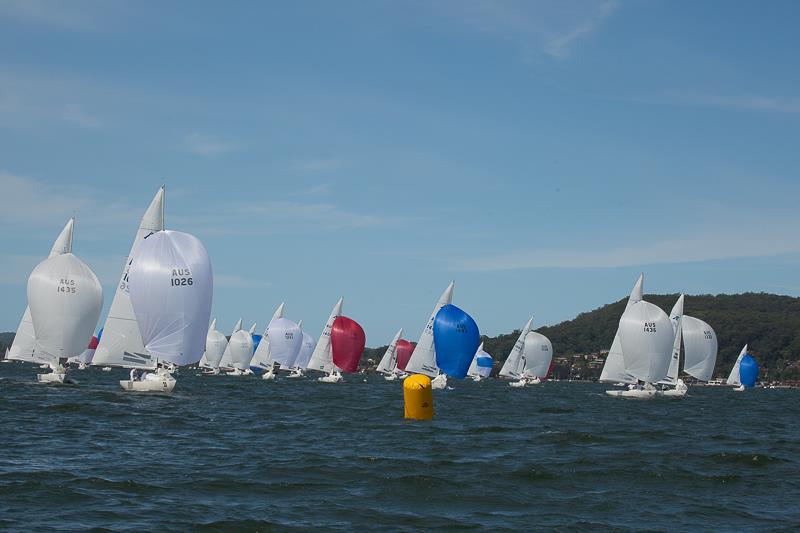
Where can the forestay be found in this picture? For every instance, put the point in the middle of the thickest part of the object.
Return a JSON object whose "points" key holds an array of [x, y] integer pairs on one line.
{"points": [[171, 288]]}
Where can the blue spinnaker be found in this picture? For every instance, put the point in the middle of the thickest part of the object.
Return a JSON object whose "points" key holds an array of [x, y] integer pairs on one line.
{"points": [[256, 340], [456, 339], [748, 370]]}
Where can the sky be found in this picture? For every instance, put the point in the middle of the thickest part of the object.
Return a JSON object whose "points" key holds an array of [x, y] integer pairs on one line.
{"points": [[539, 153]]}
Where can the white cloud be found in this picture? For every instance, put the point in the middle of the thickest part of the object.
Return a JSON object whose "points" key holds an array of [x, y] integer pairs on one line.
{"points": [[209, 146]]}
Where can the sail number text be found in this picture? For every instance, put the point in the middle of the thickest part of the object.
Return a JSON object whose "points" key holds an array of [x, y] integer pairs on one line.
{"points": [[649, 327], [67, 286], [181, 277]]}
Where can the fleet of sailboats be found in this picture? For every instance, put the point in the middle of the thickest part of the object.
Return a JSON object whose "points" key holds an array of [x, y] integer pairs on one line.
{"points": [[158, 321]]}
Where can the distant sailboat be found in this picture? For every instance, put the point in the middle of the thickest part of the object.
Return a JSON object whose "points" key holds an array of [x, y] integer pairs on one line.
{"points": [[285, 342], [481, 366], [171, 286], [216, 343], [262, 358], [64, 298], [121, 344], [388, 363], [734, 378], [347, 344], [700, 348], [423, 358], [240, 350], [514, 364], [225, 363], [306, 349], [322, 358], [538, 352], [24, 340]]}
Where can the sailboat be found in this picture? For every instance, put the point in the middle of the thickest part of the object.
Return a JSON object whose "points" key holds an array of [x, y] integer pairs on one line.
{"points": [[170, 287], [121, 343], [388, 363], [700, 348], [679, 387], [456, 339], [481, 366], [65, 299], [216, 343], [240, 351], [262, 358], [614, 367], [322, 356], [285, 341], [225, 363], [24, 340], [514, 364], [306, 349], [423, 358], [85, 358], [744, 372], [538, 354]]}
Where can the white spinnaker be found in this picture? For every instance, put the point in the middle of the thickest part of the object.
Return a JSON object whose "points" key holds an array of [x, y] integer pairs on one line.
{"points": [[700, 348], [306, 350], [286, 339], [538, 355], [322, 357], [240, 348], [733, 377], [171, 286], [646, 335], [514, 363], [389, 360], [216, 342], [423, 358], [65, 298], [24, 339], [263, 357], [121, 343], [675, 316], [614, 367]]}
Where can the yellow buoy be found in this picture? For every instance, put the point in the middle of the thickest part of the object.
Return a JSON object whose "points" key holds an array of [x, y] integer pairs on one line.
{"points": [[418, 397]]}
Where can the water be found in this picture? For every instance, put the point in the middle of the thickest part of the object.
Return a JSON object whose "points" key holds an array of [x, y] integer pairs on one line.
{"points": [[239, 454]]}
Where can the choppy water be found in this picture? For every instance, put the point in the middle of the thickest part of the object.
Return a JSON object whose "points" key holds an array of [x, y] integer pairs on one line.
{"points": [[241, 454]]}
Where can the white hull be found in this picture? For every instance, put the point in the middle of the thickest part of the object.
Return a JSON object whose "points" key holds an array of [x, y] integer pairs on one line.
{"points": [[390, 377], [160, 382], [296, 373], [633, 393], [476, 377], [210, 372], [237, 372], [268, 375], [673, 393], [439, 382], [740, 388], [51, 377], [106, 369], [331, 378]]}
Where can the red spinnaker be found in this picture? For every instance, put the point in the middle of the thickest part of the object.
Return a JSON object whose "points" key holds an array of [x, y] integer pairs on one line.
{"points": [[404, 350], [347, 343]]}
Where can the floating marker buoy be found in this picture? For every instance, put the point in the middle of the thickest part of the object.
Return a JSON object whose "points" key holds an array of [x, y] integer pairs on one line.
{"points": [[418, 397]]}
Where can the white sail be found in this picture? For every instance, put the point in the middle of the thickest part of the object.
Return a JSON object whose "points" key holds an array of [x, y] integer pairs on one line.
{"points": [[538, 355], [733, 377], [216, 343], [24, 339], [240, 349], [675, 316], [614, 367], [225, 362], [646, 334], [389, 360], [423, 358], [306, 349], [171, 287], [515, 363], [286, 339], [700, 348], [263, 358], [121, 343], [481, 364], [322, 358], [65, 298]]}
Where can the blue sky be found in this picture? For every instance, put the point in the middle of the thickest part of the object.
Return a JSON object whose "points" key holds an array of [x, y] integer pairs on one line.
{"points": [[541, 154]]}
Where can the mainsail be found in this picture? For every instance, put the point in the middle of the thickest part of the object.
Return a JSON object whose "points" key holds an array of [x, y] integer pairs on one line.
{"points": [[322, 358], [388, 362], [225, 362], [24, 339], [733, 377], [262, 357], [515, 362], [216, 343], [121, 344], [676, 317], [423, 358], [614, 367]]}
